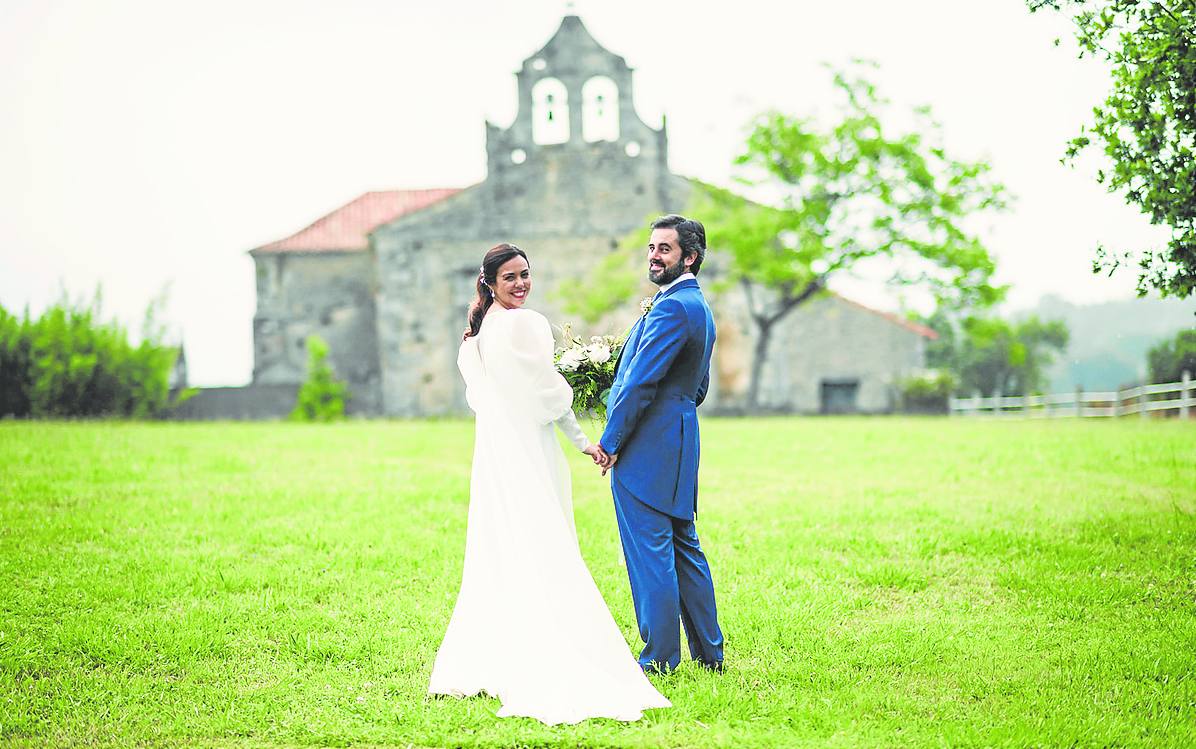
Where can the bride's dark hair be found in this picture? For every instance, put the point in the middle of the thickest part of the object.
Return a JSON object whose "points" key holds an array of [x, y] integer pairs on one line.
{"points": [[494, 259]]}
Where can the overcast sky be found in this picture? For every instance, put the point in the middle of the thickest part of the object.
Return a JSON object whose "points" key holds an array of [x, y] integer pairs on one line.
{"points": [[147, 144]]}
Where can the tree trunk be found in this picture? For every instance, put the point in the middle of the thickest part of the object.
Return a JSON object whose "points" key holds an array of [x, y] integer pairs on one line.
{"points": [[764, 328], [764, 322]]}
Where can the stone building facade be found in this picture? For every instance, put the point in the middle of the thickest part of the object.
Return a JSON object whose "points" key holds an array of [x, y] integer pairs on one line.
{"points": [[830, 355], [387, 278], [323, 281]]}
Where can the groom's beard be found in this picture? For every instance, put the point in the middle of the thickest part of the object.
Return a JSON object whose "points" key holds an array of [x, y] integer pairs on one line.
{"points": [[668, 274]]}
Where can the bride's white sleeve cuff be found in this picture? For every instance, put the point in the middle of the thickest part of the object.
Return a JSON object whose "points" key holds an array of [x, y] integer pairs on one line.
{"points": [[567, 423]]}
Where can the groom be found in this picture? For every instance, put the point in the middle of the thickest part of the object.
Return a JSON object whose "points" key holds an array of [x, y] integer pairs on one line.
{"points": [[652, 433]]}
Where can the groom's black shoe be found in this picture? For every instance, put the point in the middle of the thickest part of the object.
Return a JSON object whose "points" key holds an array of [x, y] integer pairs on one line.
{"points": [[715, 666]]}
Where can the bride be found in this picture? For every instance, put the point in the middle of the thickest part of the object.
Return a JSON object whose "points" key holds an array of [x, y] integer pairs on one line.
{"points": [[530, 626]]}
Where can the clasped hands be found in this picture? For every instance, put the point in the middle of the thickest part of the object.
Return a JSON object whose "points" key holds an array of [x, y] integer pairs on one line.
{"points": [[601, 457]]}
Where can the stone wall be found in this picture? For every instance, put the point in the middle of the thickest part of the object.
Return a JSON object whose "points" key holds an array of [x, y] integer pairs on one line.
{"points": [[252, 402], [330, 294], [827, 342]]}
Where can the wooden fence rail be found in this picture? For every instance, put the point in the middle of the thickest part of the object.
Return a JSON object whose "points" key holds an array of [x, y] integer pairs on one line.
{"points": [[1142, 400]]}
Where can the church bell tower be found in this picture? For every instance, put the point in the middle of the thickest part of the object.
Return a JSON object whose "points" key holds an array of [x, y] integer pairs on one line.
{"points": [[577, 135]]}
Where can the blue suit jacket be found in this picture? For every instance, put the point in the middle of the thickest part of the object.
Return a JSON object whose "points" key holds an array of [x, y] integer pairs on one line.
{"points": [[652, 421]]}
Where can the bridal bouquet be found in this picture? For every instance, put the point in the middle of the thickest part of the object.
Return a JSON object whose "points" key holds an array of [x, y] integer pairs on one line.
{"points": [[589, 368]]}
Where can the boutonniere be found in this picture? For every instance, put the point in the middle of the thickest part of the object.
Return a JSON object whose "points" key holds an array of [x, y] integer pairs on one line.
{"points": [[646, 304]]}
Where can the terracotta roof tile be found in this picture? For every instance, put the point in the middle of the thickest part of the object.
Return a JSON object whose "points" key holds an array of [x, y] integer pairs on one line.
{"points": [[348, 227], [921, 330]]}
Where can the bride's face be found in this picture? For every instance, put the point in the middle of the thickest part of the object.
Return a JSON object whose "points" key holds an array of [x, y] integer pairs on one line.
{"points": [[513, 283]]}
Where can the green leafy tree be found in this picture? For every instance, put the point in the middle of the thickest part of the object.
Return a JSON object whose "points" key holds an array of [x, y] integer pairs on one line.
{"points": [[1170, 359], [608, 286], [1146, 126], [941, 352], [322, 397], [847, 196], [990, 355]]}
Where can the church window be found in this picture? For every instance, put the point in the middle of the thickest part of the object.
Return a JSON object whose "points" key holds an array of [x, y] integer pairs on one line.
{"points": [[600, 109], [632, 149], [518, 156], [550, 112]]}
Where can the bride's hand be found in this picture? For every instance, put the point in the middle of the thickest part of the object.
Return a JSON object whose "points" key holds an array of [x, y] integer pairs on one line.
{"points": [[597, 454]]}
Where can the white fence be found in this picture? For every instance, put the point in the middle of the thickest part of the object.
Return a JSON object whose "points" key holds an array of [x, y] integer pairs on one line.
{"points": [[1142, 400]]}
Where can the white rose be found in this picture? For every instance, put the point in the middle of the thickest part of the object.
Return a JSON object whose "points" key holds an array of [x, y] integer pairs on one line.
{"points": [[598, 353], [571, 360]]}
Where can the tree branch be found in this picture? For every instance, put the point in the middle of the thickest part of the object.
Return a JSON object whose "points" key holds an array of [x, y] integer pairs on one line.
{"points": [[789, 302], [1167, 10], [757, 315]]}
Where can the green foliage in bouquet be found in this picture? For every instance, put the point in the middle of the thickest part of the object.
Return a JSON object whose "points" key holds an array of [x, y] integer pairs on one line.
{"points": [[589, 368]]}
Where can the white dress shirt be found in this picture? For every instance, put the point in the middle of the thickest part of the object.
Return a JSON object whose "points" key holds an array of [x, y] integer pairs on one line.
{"points": [[683, 277]]}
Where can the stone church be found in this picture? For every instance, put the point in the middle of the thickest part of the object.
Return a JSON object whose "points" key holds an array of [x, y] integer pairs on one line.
{"points": [[386, 279]]}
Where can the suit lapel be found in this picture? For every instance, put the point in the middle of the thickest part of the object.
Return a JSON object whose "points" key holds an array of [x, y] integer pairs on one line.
{"points": [[633, 335], [632, 338]]}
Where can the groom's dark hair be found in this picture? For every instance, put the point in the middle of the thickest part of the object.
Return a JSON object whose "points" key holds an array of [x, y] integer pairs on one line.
{"points": [[691, 234]]}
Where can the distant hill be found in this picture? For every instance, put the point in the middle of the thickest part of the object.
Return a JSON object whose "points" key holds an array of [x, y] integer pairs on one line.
{"points": [[1109, 341]]}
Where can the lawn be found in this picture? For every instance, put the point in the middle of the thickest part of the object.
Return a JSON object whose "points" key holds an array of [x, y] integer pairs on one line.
{"points": [[881, 582]]}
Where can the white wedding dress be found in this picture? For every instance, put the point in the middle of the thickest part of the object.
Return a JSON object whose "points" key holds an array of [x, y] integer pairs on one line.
{"points": [[530, 626]]}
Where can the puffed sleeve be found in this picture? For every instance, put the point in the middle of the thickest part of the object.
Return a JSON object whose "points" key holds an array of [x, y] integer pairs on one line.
{"points": [[522, 369], [469, 362]]}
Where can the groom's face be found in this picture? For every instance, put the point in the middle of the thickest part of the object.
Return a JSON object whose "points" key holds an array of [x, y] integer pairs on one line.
{"points": [[665, 259]]}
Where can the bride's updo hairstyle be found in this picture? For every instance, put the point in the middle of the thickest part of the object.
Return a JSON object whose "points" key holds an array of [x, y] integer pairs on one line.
{"points": [[494, 259]]}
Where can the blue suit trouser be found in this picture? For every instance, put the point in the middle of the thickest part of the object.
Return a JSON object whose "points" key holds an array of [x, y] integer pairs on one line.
{"points": [[670, 580]]}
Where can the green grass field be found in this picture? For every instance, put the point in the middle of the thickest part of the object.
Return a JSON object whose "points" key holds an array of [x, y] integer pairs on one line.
{"points": [[881, 582]]}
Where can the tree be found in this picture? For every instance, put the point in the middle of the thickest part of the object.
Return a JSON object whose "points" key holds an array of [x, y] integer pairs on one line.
{"points": [[322, 396], [1146, 125], [847, 196], [990, 355], [941, 352], [1170, 359], [608, 286]]}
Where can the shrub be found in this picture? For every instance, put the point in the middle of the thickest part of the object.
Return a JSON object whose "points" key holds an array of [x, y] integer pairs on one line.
{"points": [[927, 392], [15, 372], [322, 396], [1170, 359], [70, 363]]}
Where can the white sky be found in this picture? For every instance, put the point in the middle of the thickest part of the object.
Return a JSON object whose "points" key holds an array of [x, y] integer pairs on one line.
{"points": [[146, 143]]}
